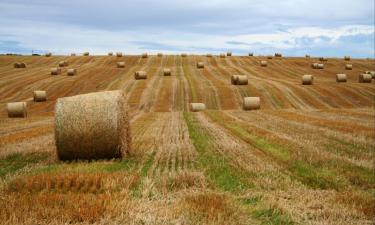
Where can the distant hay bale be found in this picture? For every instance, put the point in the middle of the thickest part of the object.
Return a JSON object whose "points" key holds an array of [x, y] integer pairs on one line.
{"points": [[320, 66], [347, 58], [72, 72], [17, 109], [251, 54], [144, 55], [209, 55], [167, 72], [63, 63], [229, 53], [317, 66], [200, 65], [40, 96], [120, 64], [341, 78], [307, 79], [348, 66], [372, 73], [56, 71], [160, 54], [269, 57], [110, 53], [49, 54], [239, 80], [278, 55], [263, 63], [222, 55], [196, 107], [307, 56], [251, 103], [86, 53], [92, 126], [365, 78], [73, 54], [323, 59], [119, 54], [19, 65], [139, 75], [183, 55]]}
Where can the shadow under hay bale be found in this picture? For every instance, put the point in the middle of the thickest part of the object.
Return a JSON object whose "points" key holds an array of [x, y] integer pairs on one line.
{"points": [[92, 126], [17, 109]]}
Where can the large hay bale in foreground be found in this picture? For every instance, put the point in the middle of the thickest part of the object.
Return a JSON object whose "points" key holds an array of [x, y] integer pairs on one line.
{"points": [[92, 126], [56, 71], [86, 53], [120, 64], [263, 63], [196, 107], [307, 79], [17, 109], [239, 80], [365, 78], [144, 55], [40, 96], [251, 103], [347, 58], [200, 65], [167, 72], [341, 78], [139, 75], [348, 66], [72, 72], [119, 54]]}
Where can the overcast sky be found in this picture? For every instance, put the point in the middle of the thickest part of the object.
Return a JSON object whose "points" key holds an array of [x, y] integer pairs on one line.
{"points": [[293, 27]]}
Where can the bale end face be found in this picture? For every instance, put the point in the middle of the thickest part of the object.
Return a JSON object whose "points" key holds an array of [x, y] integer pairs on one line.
{"points": [[200, 65], [341, 78], [251, 103], [196, 107], [307, 79], [365, 78], [17, 109], [92, 126], [167, 72], [40, 96]]}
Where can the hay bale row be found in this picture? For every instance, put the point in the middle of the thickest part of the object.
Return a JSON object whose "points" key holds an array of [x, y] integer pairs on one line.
{"points": [[86, 53], [17, 109], [71, 72], [263, 63], [144, 55], [200, 65], [55, 71], [341, 78], [347, 58], [348, 66], [19, 65], [251, 103], [92, 126], [120, 64], [63, 63], [323, 59], [167, 72], [317, 65], [239, 80], [140, 75], [307, 79], [196, 107], [119, 54], [365, 78], [278, 55], [40, 96]]}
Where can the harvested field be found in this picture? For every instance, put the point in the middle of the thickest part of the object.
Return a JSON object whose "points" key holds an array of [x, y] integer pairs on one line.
{"points": [[305, 157]]}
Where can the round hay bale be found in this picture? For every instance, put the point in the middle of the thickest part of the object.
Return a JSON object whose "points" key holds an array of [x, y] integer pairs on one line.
{"points": [[314, 65], [251, 103], [72, 72], [278, 55], [119, 54], [229, 53], [49, 54], [347, 58], [348, 66], [120, 64], [365, 78], [269, 57], [200, 65], [183, 55], [372, 73], [139, 75], [307, 56], [110, 53], [209, 55], [56, 71], [17, 109], [167, 72], [251, 54], [86, 53], [144, 55], [222, 55], [73, 54], [341, 78], [17, 65], [307, 79], [320, 66], [242, 80], [40, 96], [160, 54], [323, 59], [234, 79], [92, 126], [63, 63], [263, 63], [196, 107]]}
